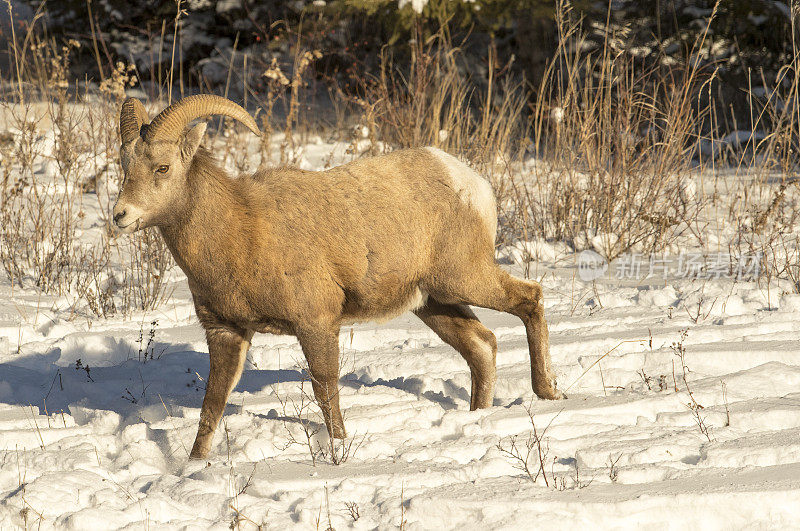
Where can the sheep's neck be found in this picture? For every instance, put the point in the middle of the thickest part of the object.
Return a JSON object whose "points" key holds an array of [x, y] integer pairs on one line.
{"points": [[203, 237]]}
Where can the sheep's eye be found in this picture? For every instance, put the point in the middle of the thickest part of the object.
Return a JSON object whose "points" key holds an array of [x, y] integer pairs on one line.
{"points": [[162, 169]]}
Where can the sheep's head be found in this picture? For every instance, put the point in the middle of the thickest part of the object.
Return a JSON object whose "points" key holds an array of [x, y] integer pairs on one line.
{"points": [[156, 156]]}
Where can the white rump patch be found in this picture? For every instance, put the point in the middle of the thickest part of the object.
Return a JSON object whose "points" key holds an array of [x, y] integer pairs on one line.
{"points": [[473, 189]]}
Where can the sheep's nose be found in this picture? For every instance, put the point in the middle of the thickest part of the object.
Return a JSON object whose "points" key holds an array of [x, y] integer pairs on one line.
{"points": [[118, 216]]}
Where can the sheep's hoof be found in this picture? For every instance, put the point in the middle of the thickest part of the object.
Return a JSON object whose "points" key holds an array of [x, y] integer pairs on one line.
{"points": [[549, 393]]}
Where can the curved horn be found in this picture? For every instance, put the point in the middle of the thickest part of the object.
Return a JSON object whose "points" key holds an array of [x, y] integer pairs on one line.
{"points": [[171, 122], [131, 118]]}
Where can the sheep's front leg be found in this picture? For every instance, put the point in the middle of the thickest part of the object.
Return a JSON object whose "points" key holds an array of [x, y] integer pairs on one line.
{"points": [[227, 348], [321, 349]]}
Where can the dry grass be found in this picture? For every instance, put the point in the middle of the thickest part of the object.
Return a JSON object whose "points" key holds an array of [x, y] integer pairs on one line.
{"points": [[616, 147], [530, 456], [434, 103], [301, 410], [693, 406], [59, 153], [601, 154]]}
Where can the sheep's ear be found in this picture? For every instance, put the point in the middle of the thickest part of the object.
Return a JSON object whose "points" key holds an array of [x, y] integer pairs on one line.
{"points": [[191, 141]]}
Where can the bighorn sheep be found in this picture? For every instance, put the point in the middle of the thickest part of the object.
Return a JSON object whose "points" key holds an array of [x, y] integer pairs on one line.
{"points": [[299, 252]]}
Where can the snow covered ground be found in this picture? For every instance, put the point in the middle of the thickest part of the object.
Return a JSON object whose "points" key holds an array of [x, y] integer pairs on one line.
{"points": [[96, 418]]}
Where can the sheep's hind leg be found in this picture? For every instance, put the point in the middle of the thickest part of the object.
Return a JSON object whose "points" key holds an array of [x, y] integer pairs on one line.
{"points": [[496, 289], [321, 349], [528, 304], [458, 326]]}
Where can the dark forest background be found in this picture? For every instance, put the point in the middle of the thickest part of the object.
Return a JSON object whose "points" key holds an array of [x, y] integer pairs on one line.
{"points": [[203, 41]]}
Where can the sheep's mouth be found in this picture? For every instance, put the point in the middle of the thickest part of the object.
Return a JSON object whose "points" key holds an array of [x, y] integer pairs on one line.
{"points": [[127, 228]]}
